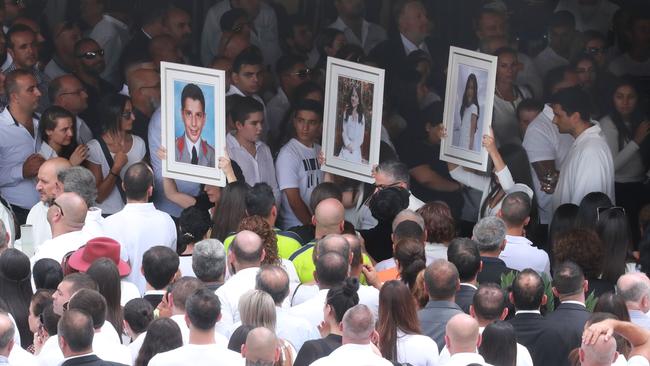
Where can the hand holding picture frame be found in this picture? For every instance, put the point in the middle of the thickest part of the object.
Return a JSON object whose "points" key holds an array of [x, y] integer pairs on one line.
{"points": [[471, 79], [193, 122], [352, 119]]}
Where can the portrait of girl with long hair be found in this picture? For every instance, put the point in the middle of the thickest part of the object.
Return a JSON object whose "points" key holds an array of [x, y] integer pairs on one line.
{"points": [[469, 113], [354, 127]]}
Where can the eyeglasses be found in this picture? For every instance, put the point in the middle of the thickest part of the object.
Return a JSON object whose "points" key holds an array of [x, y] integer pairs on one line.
{"points": [[595, 50], [127, 115], [91, 54], [302, 74], [59, 206], [600, 210]]}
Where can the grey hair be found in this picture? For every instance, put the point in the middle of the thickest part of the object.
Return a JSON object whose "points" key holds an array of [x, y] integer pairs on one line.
{"points": [[81, 181], [4, 239], [489, 233], [9, 333], [408, 214], [397, 170], [209, 260], [358, 323], [257, 309], [635, 292]]}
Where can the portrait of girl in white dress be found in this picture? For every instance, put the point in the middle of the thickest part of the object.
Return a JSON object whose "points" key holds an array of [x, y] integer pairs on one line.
{"points": [[354, 127], [469, 113]]}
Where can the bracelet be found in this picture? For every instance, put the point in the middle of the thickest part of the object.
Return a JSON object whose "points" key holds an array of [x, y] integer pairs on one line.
{"points": [[113, 174]]}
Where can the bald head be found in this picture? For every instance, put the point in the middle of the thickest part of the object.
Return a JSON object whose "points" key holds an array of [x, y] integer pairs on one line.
{"points": [[602, 353], [72, 210], [7, 332], [48, 185], [462, 334], [329, 217], [261, 347], [634, 288], [247, 249], [332, 243], [273, 280]]}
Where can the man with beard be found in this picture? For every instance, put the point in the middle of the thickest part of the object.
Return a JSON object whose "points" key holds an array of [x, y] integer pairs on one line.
{"points": [[89, 64], [144, 88]]}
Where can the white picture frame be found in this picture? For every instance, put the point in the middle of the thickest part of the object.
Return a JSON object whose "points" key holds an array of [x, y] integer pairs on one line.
{"points": [[211, 141], [462, 143], [357, 160]]}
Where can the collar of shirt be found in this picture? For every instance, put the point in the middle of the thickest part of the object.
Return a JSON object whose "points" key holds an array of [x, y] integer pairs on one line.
{"points": [[467, 358], [78, 356], [191, 144], [282, 96], [155, 292], [573, 302], [510, 239], [410, 46], [116, 21], [233, 140], [138, 207], [235, 90], [469, 285], [528, 312], [592, 131], [340, 25]]}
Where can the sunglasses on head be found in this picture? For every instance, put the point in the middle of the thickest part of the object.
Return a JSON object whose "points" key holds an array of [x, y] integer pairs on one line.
{"points": [[600, 210], [91, 54], [302, 74]]}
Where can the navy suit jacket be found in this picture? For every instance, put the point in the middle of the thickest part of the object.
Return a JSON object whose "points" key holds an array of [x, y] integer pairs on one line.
{"points": [[570, 319], [465, 297], [540, 337], [434, 317]]}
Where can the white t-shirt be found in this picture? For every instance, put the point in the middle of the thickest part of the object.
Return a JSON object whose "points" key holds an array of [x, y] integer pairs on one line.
{"points": [[185, 265], [416, 349], [628, 163], [198, 355], [504, 118], [624, 65], [297, 167], [113, 202]]}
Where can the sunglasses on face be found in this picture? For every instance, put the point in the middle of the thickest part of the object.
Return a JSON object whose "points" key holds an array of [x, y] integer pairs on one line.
{"points": [[302, 74], [595, 50], [91, 54]]}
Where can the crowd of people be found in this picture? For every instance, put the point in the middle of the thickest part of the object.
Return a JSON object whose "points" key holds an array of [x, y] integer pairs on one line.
{"points": [[543, 260]]}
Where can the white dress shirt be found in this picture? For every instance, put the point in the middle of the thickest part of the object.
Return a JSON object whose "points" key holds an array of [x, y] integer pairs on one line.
{"points": [[105, 346], [57, 248], [371, 34], [135, 346], [410, 46], [523, 356], [129, 292], [16, 144], [520, 254], [293, 329], [588, 167], [352, 354], [41, 230], [628, 162], [7, 218], [198, 355], [18, 356], [230, 292], [464, 359], [416, 349], [132, 228], [639, 318], [94, 223], [256, 169], [312, 309], [433, 251]]}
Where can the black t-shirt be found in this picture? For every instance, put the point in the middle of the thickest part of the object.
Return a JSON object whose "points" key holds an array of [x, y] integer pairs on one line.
{"points": [[317, 348]]}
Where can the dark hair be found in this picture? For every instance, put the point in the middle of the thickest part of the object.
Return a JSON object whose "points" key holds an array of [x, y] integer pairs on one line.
{"points": [[286, 62], [260, 200], [410, 255], [489, 301], [163, 335], [441, 279], [573, 100], [192, 91], [76, 327], [438, 221], [397, 312], [568, 278], [16, 289], [554, 77], [583, 247], [238, 337], [464, 254], [183, 288], [331, 269], [159, 265], [527, 290], [387, 203], [49, 120], [229, 19], [614, 304], [326, 39], [351, 52], [588, 209], [348, 101], [203, 308], [50, 320], [138, 313], [267, 280], [637, 116], [408, 229], [110, 111], [92, 303], [323, 191], [11, 81], [614, 231], [137, 180], [466, 103], [304, 89], [17, 28], [40, 300], [230, 210], [193, 224], [498, 345], [530, 104], [342, 297], [105, 273], [243, 107], [250, 56], [47, 274], [564, 219], [515, 208], [80, 281], [310, 106]]}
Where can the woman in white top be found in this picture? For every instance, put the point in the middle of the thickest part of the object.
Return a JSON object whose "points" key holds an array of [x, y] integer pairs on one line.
{"points": [[469, 112], [354, 127], [400, 337], [626, 130], [506, 178], [124, 148], [194, 225], [56, 128]]}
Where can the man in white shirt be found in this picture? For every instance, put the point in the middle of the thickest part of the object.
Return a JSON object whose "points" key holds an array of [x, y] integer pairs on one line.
{"points": [[356, 29], [520, 253], [462, 339], [245, 147], [49, 187], [132, 226], [274, 280], [261, 347], [589, 166], [202, 313], [66, 91], [66, 216], [358, 328], [634, 288], [244, 258], [562, 35]]}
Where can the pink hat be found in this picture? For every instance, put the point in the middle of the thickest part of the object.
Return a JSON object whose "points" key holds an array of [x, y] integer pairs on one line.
{"points": [[98, 248]]}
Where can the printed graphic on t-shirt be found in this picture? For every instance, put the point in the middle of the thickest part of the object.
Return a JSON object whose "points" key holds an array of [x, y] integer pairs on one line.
{"points": [[311, 166]]}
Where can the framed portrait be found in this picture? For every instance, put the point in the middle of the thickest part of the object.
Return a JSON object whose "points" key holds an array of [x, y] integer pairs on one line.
{"points": [[471, 78], [193, 122], [352, 119]]}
